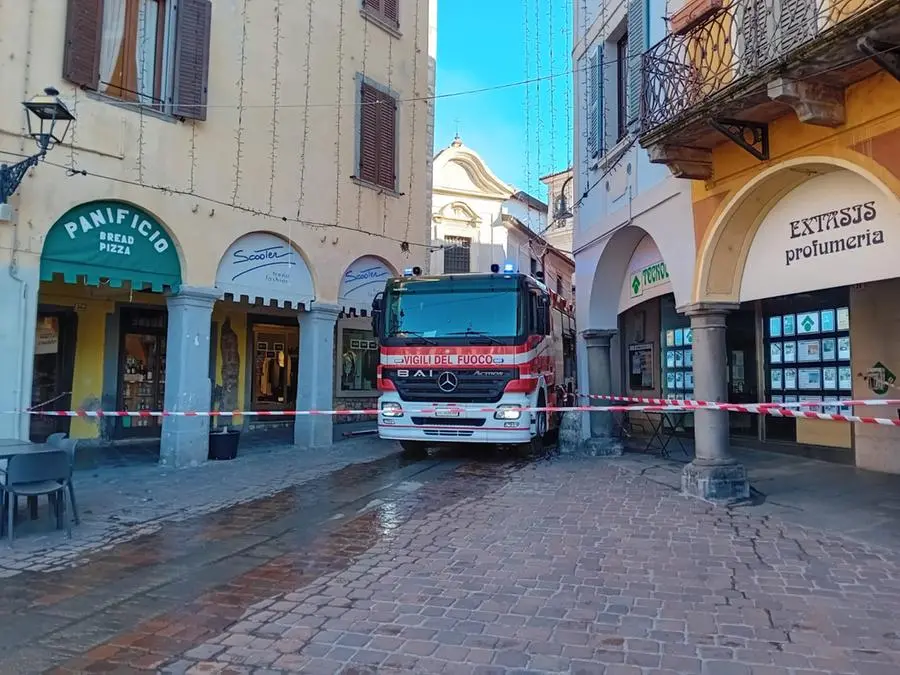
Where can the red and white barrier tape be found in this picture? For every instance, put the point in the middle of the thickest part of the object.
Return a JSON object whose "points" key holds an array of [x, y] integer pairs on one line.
{"points": [[774, 409], [694, 403]]}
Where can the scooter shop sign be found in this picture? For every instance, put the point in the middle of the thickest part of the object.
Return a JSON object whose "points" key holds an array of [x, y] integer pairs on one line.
{"points": [[649, 277]]}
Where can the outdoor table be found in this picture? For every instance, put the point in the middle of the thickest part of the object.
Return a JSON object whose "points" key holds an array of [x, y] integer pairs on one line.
{"points": [[10, 447], [663, 433]]}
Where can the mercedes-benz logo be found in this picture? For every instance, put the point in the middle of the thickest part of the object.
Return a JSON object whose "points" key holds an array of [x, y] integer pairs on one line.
{"points": [[447, 382]]}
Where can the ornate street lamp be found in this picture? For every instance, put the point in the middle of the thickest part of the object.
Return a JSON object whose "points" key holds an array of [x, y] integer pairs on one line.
{"points": [[48, 123], [562, 211]]}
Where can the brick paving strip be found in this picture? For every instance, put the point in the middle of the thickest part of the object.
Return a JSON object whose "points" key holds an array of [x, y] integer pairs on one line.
{"points": [[118, 504], [150, 599], [580, 567]]}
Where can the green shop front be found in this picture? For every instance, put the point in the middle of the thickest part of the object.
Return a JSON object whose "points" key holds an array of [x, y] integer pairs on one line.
{"points": [[106, 269]]}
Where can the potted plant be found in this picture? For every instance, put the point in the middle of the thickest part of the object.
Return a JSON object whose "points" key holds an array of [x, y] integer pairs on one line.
{"points": [[223, 439]]}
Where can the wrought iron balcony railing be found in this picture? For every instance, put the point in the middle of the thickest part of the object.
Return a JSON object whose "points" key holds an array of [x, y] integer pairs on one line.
{"points": [[716, 45]]}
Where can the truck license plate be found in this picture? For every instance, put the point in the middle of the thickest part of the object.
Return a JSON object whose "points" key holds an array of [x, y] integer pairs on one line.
{"points": [[445, 412]]}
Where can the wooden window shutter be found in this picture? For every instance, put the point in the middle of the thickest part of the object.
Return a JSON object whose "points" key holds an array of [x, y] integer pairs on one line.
{"points": [[592, 120], [81, 56], [374, 5], [193, 24], [368, 134], [387, 142], [638, 37], [391, 11]]}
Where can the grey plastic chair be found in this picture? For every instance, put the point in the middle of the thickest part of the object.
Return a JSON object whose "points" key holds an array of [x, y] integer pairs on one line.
{"points": [[61, 442], [33, 475]]}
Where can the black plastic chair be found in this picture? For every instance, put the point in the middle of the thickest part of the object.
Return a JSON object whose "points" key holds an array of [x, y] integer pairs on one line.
{"points": [[60, 441], [33, 475]]}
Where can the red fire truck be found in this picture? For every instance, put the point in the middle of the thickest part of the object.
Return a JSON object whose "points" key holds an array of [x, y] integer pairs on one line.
{"points": [[462, 354]]}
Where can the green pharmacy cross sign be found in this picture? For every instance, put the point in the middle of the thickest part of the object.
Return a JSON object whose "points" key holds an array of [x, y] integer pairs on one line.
{"points": [[648, 277], [113, 241]]}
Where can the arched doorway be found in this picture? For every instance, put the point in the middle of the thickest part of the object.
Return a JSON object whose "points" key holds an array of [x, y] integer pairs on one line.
{"points": [[357, 354], [266, 285], [810, 247], [105, 269]]}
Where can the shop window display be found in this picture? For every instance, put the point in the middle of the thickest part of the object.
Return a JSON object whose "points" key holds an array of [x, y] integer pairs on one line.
{"points": [[143, 369], [808, 360], [275, 363], [358, 361]]}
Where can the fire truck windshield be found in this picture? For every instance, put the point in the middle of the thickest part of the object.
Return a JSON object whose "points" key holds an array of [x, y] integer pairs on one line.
{"points": [[426, 311]]}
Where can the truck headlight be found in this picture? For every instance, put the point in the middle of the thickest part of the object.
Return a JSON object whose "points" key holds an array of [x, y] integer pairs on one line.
{"points": [[390, 409], [508, 412]]}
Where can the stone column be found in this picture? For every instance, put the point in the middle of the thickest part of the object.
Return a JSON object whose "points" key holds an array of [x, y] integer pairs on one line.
{"points": [[315, 385], [19, 285], [185, 440], [599, 370], [714, 475]]}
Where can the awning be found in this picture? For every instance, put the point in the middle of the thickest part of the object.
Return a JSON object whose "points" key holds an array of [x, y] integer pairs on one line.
{"points": [[112, 242]]}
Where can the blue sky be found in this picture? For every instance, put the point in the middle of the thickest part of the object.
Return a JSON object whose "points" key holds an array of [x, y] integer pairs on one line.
{"points": [[522, 132]]}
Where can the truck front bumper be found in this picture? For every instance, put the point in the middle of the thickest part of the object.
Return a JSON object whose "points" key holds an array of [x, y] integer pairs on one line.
{"points": [[446, 423]]}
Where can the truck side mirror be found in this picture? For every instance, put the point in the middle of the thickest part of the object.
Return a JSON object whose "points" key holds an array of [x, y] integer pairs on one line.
{"points": [[378, 315], [544, 314]]}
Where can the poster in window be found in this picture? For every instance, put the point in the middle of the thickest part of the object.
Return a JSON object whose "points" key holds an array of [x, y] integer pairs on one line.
{"points": [[809, 351], [679, 337], [829, 378], [807, 323], [790, 378], [827, 320], [776, 378], [777, 399], [775, 352], [688, 380], [845, 378], [789, 323], [809, 379], [830, 409], [790, 352], [829, 349], [688, 358], [641, 357], [790, 399], [670, 380], [688, 336], [679, 380], [845, 410], [774, 326], [670, 359], [47, 336], [843, 318], [811, 399], [679, 359], [843, 348], [670, 338]]}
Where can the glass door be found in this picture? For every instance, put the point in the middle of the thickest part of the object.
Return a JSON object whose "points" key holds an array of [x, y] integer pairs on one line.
{"points": [[54, 356], [142, 372], [743, 386]]}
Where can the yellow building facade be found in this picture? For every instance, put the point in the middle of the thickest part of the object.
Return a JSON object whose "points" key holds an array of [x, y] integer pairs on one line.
{"points": [[240, 181], [791, 136]]}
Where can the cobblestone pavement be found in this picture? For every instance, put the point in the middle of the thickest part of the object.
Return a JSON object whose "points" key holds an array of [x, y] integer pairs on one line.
{"points": [[117, 504], [567, 566]]}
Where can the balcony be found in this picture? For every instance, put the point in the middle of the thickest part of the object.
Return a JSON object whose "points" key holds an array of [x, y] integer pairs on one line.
{"points": [[729, 67]]}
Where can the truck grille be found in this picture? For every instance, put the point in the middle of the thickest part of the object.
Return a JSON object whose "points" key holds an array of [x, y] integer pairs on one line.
{"points": [[474, 385]]}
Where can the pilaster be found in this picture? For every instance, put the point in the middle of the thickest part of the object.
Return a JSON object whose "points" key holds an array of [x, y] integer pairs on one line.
{"points": [[315, 385]]}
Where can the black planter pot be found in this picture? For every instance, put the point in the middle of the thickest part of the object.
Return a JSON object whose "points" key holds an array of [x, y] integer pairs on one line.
{"points": [[223, 444]]}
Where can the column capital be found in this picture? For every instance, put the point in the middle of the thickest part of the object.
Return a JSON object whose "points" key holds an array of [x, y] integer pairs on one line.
{"points": [[701, 308], [598, 337], [197, 296], [322, 311]]}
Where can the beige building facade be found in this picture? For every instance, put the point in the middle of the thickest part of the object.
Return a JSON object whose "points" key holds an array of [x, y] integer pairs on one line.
{"points": [[240, 180]]}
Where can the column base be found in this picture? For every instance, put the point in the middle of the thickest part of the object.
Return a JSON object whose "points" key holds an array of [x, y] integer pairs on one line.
{"points": [[716, 483], [602, 446]]}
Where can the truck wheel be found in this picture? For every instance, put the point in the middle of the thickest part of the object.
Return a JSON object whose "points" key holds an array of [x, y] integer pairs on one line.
{"points": [[414, 449], [535, 447]]}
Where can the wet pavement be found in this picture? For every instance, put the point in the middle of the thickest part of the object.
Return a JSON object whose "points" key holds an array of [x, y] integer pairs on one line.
{"points": [[454, 564]]}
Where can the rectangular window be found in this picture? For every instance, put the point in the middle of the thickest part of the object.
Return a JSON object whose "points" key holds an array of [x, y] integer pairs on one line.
{"points": [[357, 361], [457, 255], [622, 86], [152, 52], [275, 366], [384, 10], [378, 138]]}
